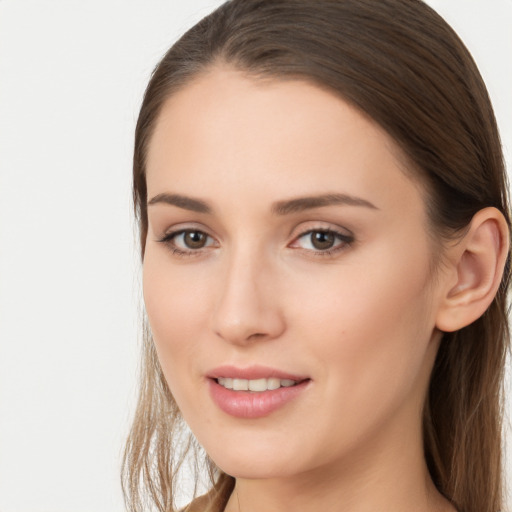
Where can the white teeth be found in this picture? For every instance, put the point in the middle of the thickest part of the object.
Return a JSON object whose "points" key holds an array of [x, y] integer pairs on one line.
{"points": [[273, 384], [226, 382], [256, 385], [240, 384]]}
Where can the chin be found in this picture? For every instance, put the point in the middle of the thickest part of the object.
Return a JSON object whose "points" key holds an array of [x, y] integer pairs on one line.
{"points": [[248, 469], [259, 461]]}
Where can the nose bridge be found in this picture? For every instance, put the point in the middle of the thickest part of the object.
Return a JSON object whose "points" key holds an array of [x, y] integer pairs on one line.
{"points": [[247, 304]]}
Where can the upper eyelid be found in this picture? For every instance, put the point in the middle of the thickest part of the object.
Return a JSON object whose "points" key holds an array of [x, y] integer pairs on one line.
{"points": [[176, 232], [301, 230], [180, 228], [168, 240], [295, 233], [345, 237], [324, 230]]}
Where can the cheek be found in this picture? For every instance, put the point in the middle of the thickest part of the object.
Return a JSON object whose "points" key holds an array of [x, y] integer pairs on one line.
{"points": [[174, 309], [372, 327]]}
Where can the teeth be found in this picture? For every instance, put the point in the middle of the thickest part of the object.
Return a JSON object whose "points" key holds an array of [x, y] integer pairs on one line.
{"points": [[256, 385], [273, 384], [240, 384]]}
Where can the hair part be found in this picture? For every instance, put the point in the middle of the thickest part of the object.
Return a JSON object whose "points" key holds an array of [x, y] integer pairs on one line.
{"points": [[401, 65]]}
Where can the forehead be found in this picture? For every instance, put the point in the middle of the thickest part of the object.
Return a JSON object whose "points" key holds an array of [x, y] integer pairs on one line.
{"points": [[289, 135]]}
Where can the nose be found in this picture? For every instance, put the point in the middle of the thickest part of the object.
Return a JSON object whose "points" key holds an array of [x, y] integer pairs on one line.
{"points": [[247, 307]]}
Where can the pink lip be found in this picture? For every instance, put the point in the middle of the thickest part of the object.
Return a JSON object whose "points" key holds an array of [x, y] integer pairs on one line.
{"points": [[248, 404], [252, 372]]}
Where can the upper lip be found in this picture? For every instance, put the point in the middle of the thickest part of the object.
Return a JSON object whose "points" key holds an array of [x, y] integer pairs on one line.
{"points": [[252, 373]]}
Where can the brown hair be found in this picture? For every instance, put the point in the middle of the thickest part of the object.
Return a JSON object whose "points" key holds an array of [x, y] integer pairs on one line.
{"points": [[403, 66]]}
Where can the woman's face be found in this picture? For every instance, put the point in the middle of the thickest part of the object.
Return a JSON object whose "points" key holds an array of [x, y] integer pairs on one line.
{"points": [[286, 245]]}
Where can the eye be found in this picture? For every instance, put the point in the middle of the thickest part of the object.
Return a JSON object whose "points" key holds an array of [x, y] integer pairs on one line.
{"points": [[323, 241], [191, 239], [186, 241]]}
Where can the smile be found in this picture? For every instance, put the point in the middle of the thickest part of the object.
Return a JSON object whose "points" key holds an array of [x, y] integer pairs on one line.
{"points": [[255, 385], [254, 392]]}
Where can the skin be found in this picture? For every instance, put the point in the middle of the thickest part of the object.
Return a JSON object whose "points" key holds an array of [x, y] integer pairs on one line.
{"points": [[359, 322]]}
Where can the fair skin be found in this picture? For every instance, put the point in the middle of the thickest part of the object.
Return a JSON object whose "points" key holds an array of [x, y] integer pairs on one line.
{"points": [[339, 292]]}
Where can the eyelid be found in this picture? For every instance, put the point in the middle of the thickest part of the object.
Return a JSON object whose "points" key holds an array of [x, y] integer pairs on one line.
{"points": [[169, 236], [344, 239], [343, 235], [307, 227], [181, 227]]}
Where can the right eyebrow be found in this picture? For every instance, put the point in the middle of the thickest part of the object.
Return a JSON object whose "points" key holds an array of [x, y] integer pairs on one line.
{"points": [[187, 203], [300, 204]]}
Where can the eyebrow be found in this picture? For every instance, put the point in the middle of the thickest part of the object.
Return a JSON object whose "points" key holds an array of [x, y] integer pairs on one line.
{"points": [[286, 207], [187, 203], [306, 203]]}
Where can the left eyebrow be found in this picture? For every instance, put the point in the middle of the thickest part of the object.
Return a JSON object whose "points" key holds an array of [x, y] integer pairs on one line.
{"points": [[300, 204], [187, 203]]}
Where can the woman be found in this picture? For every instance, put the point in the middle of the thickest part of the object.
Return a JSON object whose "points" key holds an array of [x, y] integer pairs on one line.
{"points": [[325, 240]]}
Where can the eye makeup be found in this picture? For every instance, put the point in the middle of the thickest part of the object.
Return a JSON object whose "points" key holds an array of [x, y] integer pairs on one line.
{"points": [[324, 242]]}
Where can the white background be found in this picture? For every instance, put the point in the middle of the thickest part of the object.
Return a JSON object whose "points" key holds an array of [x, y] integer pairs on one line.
{"points": [[72, 73]]}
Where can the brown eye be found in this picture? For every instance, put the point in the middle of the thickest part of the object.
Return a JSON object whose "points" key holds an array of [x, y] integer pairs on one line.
{"points": [[194, 239], [322, 240], [188, 241]]}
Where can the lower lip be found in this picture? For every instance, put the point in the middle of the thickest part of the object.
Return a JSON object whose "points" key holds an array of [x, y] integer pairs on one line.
{"points": [[250, 404]]}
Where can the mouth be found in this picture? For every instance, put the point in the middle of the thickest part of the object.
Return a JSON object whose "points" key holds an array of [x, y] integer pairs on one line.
{"points": [[255, 392], [255, 385]]}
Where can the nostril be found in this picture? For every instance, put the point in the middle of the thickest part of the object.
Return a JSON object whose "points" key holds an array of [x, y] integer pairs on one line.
{"points": [[256, 335]]}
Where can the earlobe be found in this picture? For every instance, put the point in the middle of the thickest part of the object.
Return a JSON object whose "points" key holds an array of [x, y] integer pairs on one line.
{"points": [[477, 262]]}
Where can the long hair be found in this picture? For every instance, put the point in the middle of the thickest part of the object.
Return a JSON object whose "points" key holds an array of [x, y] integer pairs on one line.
{"points": [[399, 63]]}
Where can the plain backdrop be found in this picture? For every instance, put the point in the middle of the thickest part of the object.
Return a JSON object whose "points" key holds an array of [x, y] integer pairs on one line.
{"points": [[72, 74]]}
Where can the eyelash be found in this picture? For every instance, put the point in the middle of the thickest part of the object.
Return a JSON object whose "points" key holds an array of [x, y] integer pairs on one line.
{"points": [[345, 239], [168, 240]]}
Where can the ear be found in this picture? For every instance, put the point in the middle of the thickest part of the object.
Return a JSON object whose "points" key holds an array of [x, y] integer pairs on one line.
{"points": [[476, 264]]}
